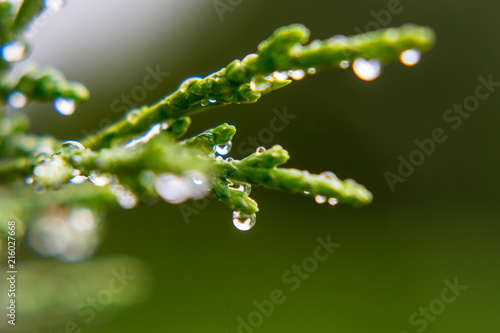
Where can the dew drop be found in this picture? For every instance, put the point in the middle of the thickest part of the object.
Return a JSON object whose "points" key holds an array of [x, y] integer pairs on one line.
{"points": [[410, 57], [54, 5], [333, 201], [223, 149], [337, 40], [280, 76], [184, 85], [172, 188], [344, 64], [229, 159], [28, 180], [64, 106], [100, 180], [307, 192], [296, 74], [311, 71], [13, 51], [17, 99], [328, 174], [367, 70], [132, 115], [125, 198], [78, 179], [321, 199], [259, 84], [74, 144], [244, 188], [212, 100], [260, 150], [197, 183], [243, 222]]}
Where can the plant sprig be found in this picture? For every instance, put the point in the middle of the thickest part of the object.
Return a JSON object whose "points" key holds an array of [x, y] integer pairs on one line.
{"points": [[142, 156]]}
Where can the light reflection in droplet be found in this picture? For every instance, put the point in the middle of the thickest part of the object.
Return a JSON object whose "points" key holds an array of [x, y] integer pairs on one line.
{"points": [[17, 99], [344, 64], [333, 201], [367, 70], [13, 51], [223, 149], [242, 221], [298, 74], [64, 106], [280, 76], [321, 199], [410, 57]]}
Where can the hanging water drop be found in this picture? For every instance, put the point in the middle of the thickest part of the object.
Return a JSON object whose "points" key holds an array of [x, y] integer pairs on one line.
{"points": [[171, 188], [212, 100], [13, 51], [54, 5], [410, 57], [197, 183], [243, 222], [333, 201], [17, 99], [296, 74], [125, 198], [100, 180], [344, 64], [321, 199], [367, 70], [280, 76], [223, 149], [259, 84], [64, 106], [311, 71], [260, 150]]}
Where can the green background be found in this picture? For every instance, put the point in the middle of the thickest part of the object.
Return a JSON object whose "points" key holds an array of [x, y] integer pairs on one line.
{"points": [[441, 223]]}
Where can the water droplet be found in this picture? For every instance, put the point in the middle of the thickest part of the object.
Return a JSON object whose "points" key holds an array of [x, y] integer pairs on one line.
{"points": [[243, 222], [197, 183], [54, 5], [223, 149], [132, 115], [184, 85], [333, 201], [212, 100], [260, 150], [344, 64], [297, 74], [307, 192], [100, 180], [153, 131], [367, 70], [171, 188], [17, 99], [280, 76], [125, 198], [311, 71], [259, 84], [410, 57], [243, 187], [74, 144], [328, 174], [13, 51], [219, 159], [28, 180], [78, 179], [321, 199], [229, 159], [64, 106]]}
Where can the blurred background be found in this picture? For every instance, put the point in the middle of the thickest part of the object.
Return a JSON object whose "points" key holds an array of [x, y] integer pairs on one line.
{"points": [[190, 270]]}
